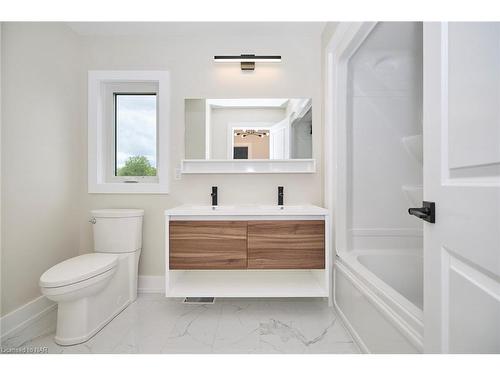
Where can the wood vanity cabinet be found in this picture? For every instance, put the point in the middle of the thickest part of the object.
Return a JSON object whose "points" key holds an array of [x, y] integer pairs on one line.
{"points": [[199, 245], [268, 244], [286, 244]]}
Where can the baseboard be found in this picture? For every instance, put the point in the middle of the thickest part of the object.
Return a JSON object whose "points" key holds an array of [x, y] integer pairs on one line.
{"points": [[151, 284], [14, 322]]}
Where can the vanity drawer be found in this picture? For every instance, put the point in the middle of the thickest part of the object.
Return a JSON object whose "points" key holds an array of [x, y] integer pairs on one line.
{"points": [[286, 244], [208, 245]]}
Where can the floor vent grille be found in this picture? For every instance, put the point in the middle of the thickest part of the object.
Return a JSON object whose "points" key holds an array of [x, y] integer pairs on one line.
{"points": [[199, 300]]}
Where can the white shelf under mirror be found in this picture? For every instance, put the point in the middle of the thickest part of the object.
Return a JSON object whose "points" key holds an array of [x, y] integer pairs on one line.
{"points": [[200, 166]]}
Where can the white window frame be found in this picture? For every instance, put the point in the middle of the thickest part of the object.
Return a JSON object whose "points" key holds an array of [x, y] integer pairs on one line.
{"points": [[101, 127], [110, 137]]}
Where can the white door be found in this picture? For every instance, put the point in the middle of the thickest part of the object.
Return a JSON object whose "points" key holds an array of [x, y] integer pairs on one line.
{"points": [[279, 140], [462, 175]]}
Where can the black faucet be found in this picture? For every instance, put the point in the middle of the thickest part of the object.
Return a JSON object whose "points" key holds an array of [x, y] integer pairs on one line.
{"points": [[280, 195], [214, 195]]}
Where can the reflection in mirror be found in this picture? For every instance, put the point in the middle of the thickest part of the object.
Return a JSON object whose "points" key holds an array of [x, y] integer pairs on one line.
{"points": [[228, 129]]}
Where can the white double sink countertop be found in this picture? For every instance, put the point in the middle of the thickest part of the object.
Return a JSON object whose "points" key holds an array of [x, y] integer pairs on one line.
{"points": [[246, 210]]}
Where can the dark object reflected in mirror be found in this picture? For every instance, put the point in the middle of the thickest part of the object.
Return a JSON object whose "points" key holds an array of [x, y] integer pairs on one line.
{"points": [[240, 152]]}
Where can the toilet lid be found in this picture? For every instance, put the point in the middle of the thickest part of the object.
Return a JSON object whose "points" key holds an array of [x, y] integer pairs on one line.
{"points": [[78, 269]]}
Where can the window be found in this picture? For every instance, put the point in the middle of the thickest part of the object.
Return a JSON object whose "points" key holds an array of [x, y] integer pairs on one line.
{"points": [[135, 134], [128, 144]]}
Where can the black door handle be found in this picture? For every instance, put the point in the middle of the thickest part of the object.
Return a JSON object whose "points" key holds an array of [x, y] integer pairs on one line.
{"points": [[427, 212]]}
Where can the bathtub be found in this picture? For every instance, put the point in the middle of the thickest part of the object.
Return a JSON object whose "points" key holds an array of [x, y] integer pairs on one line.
{"points": [[400, 270], [379, 295]]}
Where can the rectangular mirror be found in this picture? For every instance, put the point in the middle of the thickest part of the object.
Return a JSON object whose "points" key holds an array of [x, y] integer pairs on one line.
{"points": [[251, 129]]}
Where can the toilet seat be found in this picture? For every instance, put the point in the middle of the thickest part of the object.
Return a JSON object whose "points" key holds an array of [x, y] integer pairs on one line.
{"points": [[78, 269]]}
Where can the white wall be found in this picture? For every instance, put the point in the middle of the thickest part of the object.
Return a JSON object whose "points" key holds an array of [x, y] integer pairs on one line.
{"points": [[194, 75], [386, 99], [194, 139], [42, 183]]}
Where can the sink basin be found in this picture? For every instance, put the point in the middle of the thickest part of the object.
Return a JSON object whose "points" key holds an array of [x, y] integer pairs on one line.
{"points": [[252, 209]]}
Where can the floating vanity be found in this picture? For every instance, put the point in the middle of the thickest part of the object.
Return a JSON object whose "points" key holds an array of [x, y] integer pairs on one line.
{"points": [[247, 251]]}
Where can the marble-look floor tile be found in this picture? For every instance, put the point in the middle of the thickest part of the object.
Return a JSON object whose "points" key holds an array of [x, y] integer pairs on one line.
{"points": [[154, 324], [194, 331], [297, 326]]}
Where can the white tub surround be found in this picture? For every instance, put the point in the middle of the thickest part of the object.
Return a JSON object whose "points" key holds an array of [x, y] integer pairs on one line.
{"points": [[247, 251], [379, 296], [374, 123], [376, 320]]}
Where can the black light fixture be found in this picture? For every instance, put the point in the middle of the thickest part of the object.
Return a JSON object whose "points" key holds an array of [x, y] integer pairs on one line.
{"points": [[247, 62], [246, 133]]}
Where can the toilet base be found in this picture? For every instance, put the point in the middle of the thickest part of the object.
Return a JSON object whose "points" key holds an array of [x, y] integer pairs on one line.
{"points": [[65, 338], [81, 319]]}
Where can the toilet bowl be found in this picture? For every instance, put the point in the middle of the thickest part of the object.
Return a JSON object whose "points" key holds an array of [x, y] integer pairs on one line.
{"points": [[78, 277], [91, 289]]}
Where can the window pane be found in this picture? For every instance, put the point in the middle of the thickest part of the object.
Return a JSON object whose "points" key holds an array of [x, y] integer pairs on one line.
{"points": [[135, 134]]}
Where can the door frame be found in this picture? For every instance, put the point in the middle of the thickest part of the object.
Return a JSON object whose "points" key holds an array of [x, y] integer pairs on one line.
{"points": [[284, 126]]}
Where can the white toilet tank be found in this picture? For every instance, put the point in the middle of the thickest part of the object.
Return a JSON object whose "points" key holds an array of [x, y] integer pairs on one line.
{"points": [[117, 230]]}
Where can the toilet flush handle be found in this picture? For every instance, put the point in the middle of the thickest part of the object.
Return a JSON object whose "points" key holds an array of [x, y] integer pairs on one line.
{"points": [[92, 220]]}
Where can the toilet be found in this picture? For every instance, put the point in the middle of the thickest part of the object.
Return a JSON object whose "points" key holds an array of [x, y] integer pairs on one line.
{"points": [[91, 289]]}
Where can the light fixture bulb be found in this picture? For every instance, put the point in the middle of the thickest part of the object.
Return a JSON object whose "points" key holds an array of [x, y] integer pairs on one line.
{"points": [[247, 61]]}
